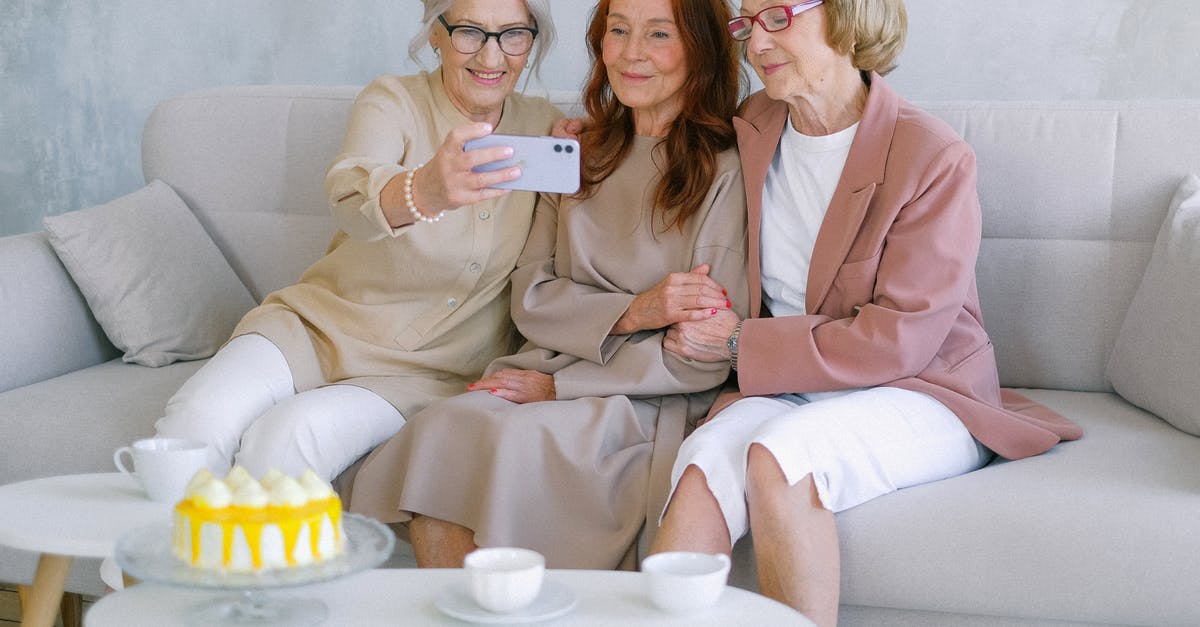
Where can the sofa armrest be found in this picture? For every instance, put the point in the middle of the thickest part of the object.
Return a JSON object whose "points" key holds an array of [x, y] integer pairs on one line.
{"points": [[46, 329]]}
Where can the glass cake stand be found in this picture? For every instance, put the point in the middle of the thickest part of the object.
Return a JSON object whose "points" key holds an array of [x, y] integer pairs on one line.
{"points": [[146, 554]]}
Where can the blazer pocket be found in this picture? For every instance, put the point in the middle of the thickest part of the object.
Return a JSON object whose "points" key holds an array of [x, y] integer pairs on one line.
{"points": [[854, 284], [859, 269], [974, 357]]}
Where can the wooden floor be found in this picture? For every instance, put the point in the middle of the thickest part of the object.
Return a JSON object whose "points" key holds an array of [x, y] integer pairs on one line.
{"points": [[10, 606]]}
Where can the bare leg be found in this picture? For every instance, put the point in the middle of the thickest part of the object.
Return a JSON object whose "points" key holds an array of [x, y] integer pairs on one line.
{"points": [[439, 544], [694, 521], [795, 540]]}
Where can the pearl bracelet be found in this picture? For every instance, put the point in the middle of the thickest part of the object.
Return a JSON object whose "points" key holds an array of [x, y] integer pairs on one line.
{"points": [[408, 199]]}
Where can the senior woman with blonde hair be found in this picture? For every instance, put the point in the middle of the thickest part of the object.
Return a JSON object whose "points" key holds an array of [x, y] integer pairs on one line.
{"points": [[411, 300], [865, 367]]}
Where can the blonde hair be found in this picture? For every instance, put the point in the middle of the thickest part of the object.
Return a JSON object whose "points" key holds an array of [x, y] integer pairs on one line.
{"points": [[538, 9], [871, 31]]}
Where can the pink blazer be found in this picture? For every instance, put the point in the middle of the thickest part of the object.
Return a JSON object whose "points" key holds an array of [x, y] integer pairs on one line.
{"points": [[891, 296]]}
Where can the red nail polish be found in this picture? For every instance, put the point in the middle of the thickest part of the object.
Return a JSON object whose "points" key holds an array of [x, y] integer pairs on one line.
{"points": [[492, 391], [724, 293], [727, 304], [471, 385], [712, 312]]}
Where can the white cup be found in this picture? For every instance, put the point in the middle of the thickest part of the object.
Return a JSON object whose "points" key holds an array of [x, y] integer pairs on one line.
{"points": [[683, 581], [504, 579], [163, 466]]}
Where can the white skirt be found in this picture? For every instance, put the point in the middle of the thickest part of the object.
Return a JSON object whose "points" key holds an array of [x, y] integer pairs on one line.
{"points": [[857, 444]]}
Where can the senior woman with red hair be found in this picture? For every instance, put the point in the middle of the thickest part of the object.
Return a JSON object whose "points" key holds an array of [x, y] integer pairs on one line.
{"points": [[566, 447]]}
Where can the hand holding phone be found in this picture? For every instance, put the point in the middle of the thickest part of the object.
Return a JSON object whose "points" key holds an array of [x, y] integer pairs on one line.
{"points": [[548, 164]]}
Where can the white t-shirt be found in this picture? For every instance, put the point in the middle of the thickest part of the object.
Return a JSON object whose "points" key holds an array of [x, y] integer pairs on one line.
{"points": [[803, 175]]}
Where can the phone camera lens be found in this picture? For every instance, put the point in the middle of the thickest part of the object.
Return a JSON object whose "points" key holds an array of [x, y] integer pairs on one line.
{"points": [[558, 148], [570, 149]]}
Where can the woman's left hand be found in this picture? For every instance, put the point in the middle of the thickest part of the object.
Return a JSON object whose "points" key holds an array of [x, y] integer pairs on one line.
{"points": [[518, 386], [702, 340]]}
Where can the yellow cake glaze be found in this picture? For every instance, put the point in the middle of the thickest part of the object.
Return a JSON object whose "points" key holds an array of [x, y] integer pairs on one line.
{"points": [[290, 528]]}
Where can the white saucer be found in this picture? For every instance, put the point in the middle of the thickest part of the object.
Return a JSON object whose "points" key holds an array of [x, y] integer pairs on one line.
{"points": [[554, 600]]}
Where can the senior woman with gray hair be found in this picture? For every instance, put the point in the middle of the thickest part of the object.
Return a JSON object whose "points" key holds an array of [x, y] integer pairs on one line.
{"points": [[411, 300]]}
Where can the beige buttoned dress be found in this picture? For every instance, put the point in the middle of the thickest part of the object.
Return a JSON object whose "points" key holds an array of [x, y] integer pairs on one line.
{"points": [[412, 314], [578, 477]]}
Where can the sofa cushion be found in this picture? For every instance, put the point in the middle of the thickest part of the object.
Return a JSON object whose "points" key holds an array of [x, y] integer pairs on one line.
{"points": [[1155, 363], [72, 424], [153, 278], [1088, 533], [1096, 531]]}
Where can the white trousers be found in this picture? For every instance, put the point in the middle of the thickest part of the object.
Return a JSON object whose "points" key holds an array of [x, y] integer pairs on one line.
{"points": [[243, 404], [857, 444]]}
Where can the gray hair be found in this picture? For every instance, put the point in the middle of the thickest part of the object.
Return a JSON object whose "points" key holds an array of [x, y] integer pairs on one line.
{"points": [[539, 9]]}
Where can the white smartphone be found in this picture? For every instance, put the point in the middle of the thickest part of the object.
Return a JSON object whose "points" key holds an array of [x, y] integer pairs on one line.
{"points": [[548, 164]]}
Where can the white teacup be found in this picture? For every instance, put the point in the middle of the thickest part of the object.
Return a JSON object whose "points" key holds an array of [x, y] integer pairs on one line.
{"points": [[505, 579], [683, 581], [163, 465]]}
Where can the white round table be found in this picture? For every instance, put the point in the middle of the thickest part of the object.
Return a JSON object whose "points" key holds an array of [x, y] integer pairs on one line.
{"points": [[405, 596], [66, 517]]}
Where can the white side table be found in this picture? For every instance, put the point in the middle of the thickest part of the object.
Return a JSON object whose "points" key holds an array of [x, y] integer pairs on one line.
{"points": [[67, 517], [405, 596]]}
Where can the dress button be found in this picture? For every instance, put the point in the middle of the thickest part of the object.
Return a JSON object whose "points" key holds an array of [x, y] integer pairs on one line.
{"points": [[485, 214], [452, 303], [476, 267]]}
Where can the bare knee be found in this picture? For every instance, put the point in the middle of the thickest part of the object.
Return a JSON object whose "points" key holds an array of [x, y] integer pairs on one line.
{"points": [[692, 480], [438, 543], [762, 469], [693, 519], [766, 481]]}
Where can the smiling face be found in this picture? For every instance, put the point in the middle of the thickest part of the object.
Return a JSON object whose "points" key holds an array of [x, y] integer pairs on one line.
{"points": [[646, 63], [478, 83], [796, 61]]}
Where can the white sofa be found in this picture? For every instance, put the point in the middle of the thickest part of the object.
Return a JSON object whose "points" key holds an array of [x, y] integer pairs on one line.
{"points": [[1105, 530]]}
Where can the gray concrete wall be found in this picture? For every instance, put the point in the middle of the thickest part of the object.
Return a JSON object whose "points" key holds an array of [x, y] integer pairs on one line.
{"points": [[78, 77]]}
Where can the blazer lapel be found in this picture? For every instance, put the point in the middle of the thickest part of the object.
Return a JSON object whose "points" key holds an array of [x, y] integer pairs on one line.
{"points": [[757, 141], [852, 198]]}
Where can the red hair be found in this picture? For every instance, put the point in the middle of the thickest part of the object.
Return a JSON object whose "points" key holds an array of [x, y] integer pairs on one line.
{"points": [[703, 128]]}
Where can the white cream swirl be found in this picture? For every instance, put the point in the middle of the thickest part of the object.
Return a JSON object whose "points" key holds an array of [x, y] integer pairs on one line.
{"points": [[212, 493], [237, 476], [271, 477], [250, 494], [287, 491], [201, 477], [316, 487]]}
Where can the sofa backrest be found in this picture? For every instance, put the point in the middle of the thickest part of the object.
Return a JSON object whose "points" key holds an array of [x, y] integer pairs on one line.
{"points": [[250, 161], [1073, 194]]}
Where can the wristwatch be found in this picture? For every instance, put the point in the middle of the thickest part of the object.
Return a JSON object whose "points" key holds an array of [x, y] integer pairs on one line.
{"points": [[732, 343]]}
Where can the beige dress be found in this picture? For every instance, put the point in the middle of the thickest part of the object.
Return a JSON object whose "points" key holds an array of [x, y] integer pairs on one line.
{"points": [[575, 478], [412, 314]]}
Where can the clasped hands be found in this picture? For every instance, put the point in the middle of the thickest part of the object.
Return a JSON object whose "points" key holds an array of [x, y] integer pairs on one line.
{"points": [[690, 305]]}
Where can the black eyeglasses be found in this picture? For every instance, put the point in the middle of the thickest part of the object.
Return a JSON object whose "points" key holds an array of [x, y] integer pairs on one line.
{"points": [[772, 19], [468, 39]]}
